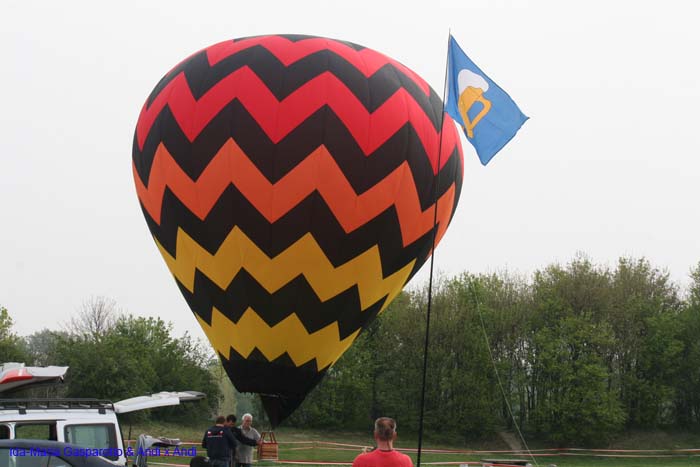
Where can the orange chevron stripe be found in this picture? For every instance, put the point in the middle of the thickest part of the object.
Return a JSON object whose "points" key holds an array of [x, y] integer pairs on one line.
{"points": [[279, 118], [317, 172], [367, 61]]}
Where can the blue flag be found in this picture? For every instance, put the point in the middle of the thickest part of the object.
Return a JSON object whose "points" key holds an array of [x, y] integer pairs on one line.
{"points": [[487, 114]]}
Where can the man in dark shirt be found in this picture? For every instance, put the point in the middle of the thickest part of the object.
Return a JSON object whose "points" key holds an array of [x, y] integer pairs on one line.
{"points": [[220, 443]]}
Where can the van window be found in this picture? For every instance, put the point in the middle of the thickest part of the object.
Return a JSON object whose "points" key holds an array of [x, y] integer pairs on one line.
{"points": [[4, 432], [99, 436], [40, 430], [12, 460]]}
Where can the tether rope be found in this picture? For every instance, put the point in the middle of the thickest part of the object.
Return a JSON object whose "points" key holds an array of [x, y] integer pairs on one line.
{"points": [[495, 370]]}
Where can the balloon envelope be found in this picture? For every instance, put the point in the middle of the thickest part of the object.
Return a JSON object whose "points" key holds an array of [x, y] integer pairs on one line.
{"points": [[289, 184]]}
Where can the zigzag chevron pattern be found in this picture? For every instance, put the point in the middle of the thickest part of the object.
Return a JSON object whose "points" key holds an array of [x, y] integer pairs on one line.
{"points": [[278, 119], [289, 336], [339, 247], [318, 172], [244, 292], [293, 186], [304, 257], [367, 61], [323, 127]]}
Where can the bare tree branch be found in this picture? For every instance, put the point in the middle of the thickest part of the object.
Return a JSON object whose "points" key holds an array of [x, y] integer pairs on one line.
{"points": [[95, 317]]}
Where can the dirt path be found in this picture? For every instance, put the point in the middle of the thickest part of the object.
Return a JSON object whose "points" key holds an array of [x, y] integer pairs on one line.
{"points": [[511, 440]]}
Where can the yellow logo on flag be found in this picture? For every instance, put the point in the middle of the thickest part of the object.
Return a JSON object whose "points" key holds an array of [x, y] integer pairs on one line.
{"points": [[471, 90]]}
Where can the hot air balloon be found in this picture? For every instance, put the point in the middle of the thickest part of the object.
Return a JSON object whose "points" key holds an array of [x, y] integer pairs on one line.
{"points": [[289, 183]]}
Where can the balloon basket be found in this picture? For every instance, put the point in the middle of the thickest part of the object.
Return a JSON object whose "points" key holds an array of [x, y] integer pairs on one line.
{"points": [[268, 449]]}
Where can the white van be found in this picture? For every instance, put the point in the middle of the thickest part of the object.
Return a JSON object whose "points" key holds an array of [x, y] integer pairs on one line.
{"points": [[91, 423]]}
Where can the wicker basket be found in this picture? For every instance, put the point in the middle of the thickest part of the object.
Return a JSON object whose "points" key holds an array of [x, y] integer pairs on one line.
{"points": [[268, 449]]}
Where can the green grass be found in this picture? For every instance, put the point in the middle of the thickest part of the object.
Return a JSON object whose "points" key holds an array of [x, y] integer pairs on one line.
{"points": [[316, 450]]}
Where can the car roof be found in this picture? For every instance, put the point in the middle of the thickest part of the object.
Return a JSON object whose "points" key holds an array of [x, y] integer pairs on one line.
{"points": [[78, 461], [17, 376]]}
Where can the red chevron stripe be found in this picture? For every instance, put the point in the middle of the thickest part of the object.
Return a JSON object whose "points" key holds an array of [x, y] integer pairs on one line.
{"points": [[367, 61], [279, 118], [317, 172]]}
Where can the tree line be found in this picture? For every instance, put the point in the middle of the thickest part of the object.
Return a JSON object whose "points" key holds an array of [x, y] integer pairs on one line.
{"points": [[575, 354], [572, 354], [114, 356]]}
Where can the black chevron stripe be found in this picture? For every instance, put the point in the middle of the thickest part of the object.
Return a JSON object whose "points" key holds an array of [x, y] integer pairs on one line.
{"points": [[302, 37], [297, 297], [283, 80], [182, 66], [311, 215], [275, 160], [282, 385], [281, 377]]}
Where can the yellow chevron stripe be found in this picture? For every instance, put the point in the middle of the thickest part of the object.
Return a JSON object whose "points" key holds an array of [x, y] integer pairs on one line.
{"points": [[305, 256], [288, 336]]}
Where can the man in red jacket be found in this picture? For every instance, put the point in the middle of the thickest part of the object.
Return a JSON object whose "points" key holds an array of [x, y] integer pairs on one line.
{"points": [[384, 455]]}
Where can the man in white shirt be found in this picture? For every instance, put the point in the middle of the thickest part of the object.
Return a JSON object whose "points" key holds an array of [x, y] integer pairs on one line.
{"points": [[244, 453]]}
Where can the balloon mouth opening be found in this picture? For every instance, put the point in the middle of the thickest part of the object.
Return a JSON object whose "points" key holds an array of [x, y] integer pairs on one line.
{"points": [[278, 407]]}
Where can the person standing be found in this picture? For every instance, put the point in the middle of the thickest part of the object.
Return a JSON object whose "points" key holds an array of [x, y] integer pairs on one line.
{"points": [[243, 440], [244, 453], [385, 455], [219, 443]]}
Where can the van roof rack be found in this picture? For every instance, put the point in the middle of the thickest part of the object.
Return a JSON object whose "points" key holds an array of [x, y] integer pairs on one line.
{"points": [[22, 405]]}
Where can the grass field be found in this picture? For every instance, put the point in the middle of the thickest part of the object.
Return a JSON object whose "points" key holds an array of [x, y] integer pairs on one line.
{"points": [[671, 449]]}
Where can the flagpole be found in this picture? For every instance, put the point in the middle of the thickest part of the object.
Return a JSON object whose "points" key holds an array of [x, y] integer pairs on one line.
{"points": [[432, 256]]}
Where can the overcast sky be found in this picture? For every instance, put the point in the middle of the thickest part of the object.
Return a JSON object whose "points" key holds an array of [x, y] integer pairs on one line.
{"points": [[608, 163]]}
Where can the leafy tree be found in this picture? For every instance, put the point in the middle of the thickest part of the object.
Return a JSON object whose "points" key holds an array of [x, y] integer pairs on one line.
{"points": [[580, 351], [136, 356], [230, 399], [643, 308], [687, 404], [12, 348], [463, 391], [575, 403], [571, 390]]}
